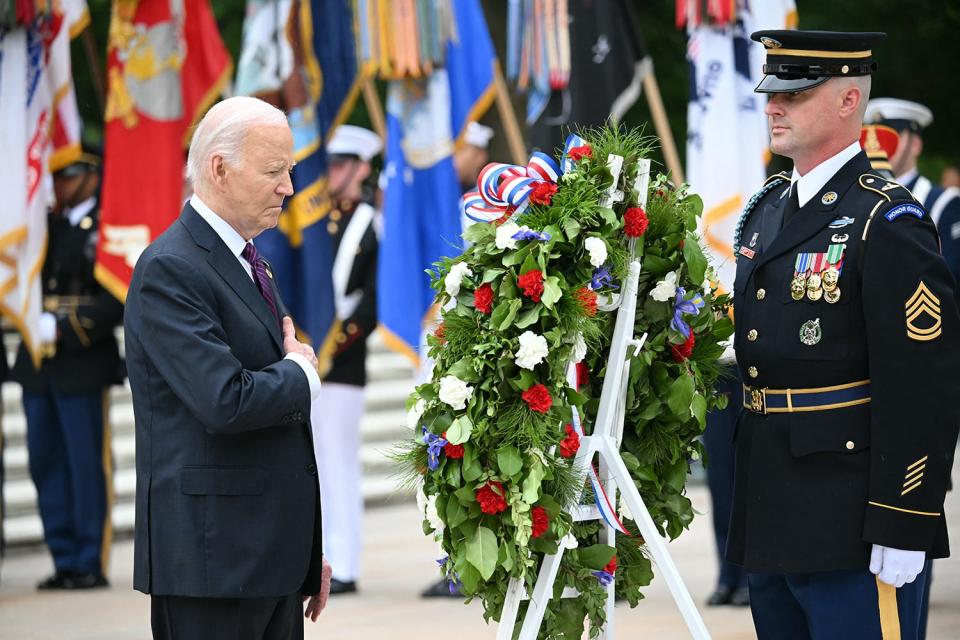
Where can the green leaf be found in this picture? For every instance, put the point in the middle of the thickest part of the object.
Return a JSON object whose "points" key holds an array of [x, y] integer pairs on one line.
{"points": [[656, 265], [513, 306], [551, 292], [508, 459], [482, 550], [463, 369], [491, 274], [459, 432], [456, 514], [476, 233], [610, 217], [571, 228], [528, 317], [596, 556], [516, 257], [693, 256], [530, 263], [699, 406], [469, 576], [508, 288], [680, 395], [532, 481]]}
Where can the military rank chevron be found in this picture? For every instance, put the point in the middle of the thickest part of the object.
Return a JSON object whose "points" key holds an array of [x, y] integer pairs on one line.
{"points": [[921, 303]]}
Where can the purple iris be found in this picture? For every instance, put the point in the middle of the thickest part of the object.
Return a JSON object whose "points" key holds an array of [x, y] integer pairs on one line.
{"points": [[689, 307], [453, 583], [602, 278], [435, 445], [530, 234], [604, 577]]}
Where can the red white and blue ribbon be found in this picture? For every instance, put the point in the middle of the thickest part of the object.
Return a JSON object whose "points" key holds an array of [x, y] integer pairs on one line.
{"points": [[573, 141], [603, 501], [506, 187]]}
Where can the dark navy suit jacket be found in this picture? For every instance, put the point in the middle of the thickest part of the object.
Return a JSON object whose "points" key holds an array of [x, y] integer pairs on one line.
{"points": [[227, 497]]}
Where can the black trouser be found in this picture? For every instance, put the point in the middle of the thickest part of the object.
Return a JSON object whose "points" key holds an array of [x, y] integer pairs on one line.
{"points": [[180, 618]]}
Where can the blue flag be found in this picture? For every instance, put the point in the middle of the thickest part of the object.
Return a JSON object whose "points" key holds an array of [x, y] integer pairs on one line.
{"points": [[425, 120], [317, 95]]}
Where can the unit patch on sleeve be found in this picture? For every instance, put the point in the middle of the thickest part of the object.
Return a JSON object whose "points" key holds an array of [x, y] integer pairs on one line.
{"points": [[910, 209], [923, 303]]}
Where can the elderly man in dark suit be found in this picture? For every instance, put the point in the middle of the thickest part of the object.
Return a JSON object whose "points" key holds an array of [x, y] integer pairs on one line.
{"points": [[228, 538]]}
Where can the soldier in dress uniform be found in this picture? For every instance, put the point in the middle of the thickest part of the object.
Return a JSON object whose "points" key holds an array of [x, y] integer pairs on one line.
{"points": [[338, 409], [65, 400], [848, 343], [910, 119]]}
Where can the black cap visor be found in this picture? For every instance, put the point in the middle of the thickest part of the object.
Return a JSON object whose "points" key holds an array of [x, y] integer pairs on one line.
{"points": [[775, 84]]}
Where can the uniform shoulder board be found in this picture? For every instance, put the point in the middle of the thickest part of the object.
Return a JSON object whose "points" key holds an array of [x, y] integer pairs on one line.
{"points": [[889, 190], [772, 183]]}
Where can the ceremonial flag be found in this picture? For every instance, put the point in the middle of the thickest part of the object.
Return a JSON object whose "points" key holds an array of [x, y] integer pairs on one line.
{"points": [[40, 133], [727, 140], [165, 65], [426, 118], [606, 69], [300, 55]]}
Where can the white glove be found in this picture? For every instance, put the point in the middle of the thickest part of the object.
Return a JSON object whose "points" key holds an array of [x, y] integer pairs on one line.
{"points": [[48, 328], [895, 566]]}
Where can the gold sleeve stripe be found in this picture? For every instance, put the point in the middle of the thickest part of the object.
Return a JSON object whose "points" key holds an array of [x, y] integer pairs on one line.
{"points": [[923, 459], [916, 513], [909, 477], [910, 488]]}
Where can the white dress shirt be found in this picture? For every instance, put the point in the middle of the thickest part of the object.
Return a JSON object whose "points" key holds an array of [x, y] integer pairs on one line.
{"points": [[810, 184], [235, 243]]}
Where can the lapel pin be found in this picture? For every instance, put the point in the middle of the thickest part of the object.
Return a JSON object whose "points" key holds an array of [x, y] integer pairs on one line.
{"points": [[829, 197]]}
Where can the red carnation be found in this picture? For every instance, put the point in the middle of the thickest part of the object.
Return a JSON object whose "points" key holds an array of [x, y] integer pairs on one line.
{"points": [[588, 300], [571, 444], [541, 521], [454, 451], [611, 567], [682, 351], [579, 153], [542, 192], [483, 298], [531, 283], [440, 333], [635, 222], [583, 375], [537, 398], [491, 498]]}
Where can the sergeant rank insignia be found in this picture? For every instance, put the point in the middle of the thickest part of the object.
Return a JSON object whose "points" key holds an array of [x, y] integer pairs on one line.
{"points": [[923, 303], [810, 332]]}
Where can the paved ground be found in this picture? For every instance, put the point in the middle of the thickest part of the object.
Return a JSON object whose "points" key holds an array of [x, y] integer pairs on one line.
{"points": [[398, 562]]}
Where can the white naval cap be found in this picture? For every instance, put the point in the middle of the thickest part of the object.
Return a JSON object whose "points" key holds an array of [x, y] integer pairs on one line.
{"points": [[350, 140], [478, 135], [899, 114]]}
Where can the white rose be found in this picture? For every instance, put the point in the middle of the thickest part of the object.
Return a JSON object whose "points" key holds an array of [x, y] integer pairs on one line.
{"points": [[505, 234], [579, 348], [455, 277], [532, 351], [455, 392], [598, 251], [666, 289], [569, 541], [414, 415], [433, 517], [421, 500]]}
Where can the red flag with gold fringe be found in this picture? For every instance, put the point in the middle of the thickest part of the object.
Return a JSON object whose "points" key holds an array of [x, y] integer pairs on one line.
{"points": [[166, 64]]}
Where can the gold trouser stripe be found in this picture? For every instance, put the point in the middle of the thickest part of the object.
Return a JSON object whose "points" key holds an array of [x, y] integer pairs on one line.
{"points": [[916, 513], [889, 618], [816, 53], [107, 540]]}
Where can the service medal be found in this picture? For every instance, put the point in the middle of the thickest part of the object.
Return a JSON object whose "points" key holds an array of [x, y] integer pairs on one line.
{"points": [[814, 294], [810, 332], [830, 279], [799, 282], [832, 296], [814, 281]]}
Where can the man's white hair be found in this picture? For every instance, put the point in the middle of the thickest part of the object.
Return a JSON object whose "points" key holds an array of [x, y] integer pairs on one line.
{"points": [[223, 129]]}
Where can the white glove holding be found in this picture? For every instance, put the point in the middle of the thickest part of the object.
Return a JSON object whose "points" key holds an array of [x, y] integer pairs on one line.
{"points": [[48, 328], [895, 566]]}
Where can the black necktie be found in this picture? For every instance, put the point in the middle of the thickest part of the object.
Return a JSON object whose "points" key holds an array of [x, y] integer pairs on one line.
{"points": [[793, 205]]}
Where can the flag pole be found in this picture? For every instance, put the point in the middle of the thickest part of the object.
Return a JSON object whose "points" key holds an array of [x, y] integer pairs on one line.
{"points": [[374, 108], [93, 62], [509, 117], [660, 121]]}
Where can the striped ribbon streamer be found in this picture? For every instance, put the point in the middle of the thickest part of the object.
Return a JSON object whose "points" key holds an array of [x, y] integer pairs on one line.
{"points": [[502, 187], [600, 497], [573, 141]]}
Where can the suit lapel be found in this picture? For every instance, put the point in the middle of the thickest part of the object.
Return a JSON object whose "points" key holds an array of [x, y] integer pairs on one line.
{"points": [[818, 212], [229, 268], [771, 219]]}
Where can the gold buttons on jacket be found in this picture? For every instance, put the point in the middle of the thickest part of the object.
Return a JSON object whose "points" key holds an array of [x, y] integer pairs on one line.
{"points": [[752, 335], [761, 294], [850, 445], [752, 372]]}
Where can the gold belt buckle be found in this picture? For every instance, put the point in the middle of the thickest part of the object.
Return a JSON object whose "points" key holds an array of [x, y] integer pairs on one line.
{"points": [[758, 400]]}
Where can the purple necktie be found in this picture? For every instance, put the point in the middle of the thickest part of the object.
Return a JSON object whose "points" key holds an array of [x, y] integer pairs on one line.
{"points": [[260, 277]]}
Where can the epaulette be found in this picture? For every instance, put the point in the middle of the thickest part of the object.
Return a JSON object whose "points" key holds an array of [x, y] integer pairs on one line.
{"points": [[889, 190], [772, 182]]}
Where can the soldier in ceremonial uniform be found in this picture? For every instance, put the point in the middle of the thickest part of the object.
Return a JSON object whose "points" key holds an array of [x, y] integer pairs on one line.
{"points": [[339, 408], [848, 343], [910, 119], [65, 399]]}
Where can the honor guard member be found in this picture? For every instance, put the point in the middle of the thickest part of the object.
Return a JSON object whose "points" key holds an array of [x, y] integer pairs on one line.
{"points": [[910, 119], [339, 408], [848, 343], [65, 400]]}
